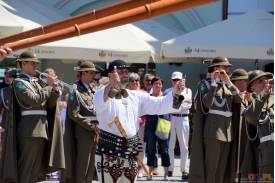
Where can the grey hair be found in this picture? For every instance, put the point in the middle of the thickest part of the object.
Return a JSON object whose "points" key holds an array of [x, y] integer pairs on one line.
{"points": [[134, 75]]}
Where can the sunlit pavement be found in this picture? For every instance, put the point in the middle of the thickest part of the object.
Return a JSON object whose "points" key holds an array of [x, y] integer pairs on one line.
{"points": [[159, 178]]}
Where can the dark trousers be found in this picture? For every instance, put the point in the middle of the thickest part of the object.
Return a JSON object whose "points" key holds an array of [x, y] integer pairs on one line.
{"points": [[30, 158], [151, 143], [216, 159], [85, 158]]}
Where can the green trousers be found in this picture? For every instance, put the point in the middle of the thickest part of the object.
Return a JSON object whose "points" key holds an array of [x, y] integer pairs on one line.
{"points": [[30, 159], [216, 158]]}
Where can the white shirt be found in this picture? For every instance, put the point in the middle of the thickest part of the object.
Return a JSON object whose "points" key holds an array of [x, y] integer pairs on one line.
{"points": [[138, 104], [184, 108]]}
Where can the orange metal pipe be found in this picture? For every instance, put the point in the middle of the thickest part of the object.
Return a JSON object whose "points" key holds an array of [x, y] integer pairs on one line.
{"points": [[79, 19], [136, 14]]}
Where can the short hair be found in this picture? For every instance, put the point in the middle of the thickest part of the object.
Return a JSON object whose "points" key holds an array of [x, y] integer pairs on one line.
{"points": [[47, 70], [156, 78], [134, 75], [148, 75]]}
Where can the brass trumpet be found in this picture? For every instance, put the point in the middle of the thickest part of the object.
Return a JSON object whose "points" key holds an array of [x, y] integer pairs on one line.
{"points": [[43, 77]]}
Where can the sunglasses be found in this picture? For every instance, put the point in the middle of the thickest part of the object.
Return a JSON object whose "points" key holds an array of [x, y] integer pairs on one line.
{"points": [[175, 80], [134, 80]]}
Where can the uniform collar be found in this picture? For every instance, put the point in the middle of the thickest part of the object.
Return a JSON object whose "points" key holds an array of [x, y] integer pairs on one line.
{"points": [[85, 86], [27, 77]]}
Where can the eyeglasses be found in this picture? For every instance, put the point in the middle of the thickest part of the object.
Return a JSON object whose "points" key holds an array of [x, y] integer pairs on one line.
{"points": [[134, 80]]}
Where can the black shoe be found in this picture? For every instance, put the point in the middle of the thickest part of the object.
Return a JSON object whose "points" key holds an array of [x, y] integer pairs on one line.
{"points": [[184, 176], [170, 174]]}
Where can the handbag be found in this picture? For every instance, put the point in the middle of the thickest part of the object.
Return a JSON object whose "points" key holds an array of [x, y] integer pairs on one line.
{"points": [[163, 129]]}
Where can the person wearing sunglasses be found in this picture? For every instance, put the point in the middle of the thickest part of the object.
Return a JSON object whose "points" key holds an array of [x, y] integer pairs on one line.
{"points": [[147, 86], [118, 116], [180, 127]]}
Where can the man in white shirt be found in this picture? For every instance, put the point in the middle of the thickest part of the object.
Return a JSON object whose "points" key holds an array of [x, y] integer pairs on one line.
{"points": [[180, 126], [118, 114]]}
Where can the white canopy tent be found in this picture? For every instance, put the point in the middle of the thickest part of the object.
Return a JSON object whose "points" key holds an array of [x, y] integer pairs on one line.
{"points": [[107, 45], [8, 25], [248, 36], [154, 34]]}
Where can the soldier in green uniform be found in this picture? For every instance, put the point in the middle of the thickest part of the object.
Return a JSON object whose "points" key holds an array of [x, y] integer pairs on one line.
{"points": [[81, 128], [245, 145], [215, 111], [243, 149], [197, 165], [260, 113], [25, 150]]}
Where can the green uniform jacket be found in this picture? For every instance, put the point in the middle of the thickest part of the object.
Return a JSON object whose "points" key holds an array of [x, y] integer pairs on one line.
{"points": [[33, 127], [263, 106], [239, 133], [80, 123], [197, 170], [209, 126]]}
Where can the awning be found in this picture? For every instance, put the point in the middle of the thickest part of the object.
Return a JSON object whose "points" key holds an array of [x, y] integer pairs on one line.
{"points": [[105, 46], [8, 24], [249, 36]]}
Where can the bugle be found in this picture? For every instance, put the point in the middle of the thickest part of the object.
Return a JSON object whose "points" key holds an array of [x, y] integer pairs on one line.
{"points": [[43, 77]]}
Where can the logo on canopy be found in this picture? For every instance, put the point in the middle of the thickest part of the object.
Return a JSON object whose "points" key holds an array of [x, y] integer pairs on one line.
{"points": [[188, 50], [102, 53]]}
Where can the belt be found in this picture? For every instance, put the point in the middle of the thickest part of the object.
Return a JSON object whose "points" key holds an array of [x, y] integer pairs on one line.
{"points": [[92, 118], [267, 138], [111, 144], [222, 113], [180, 115], [34, 112]]}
